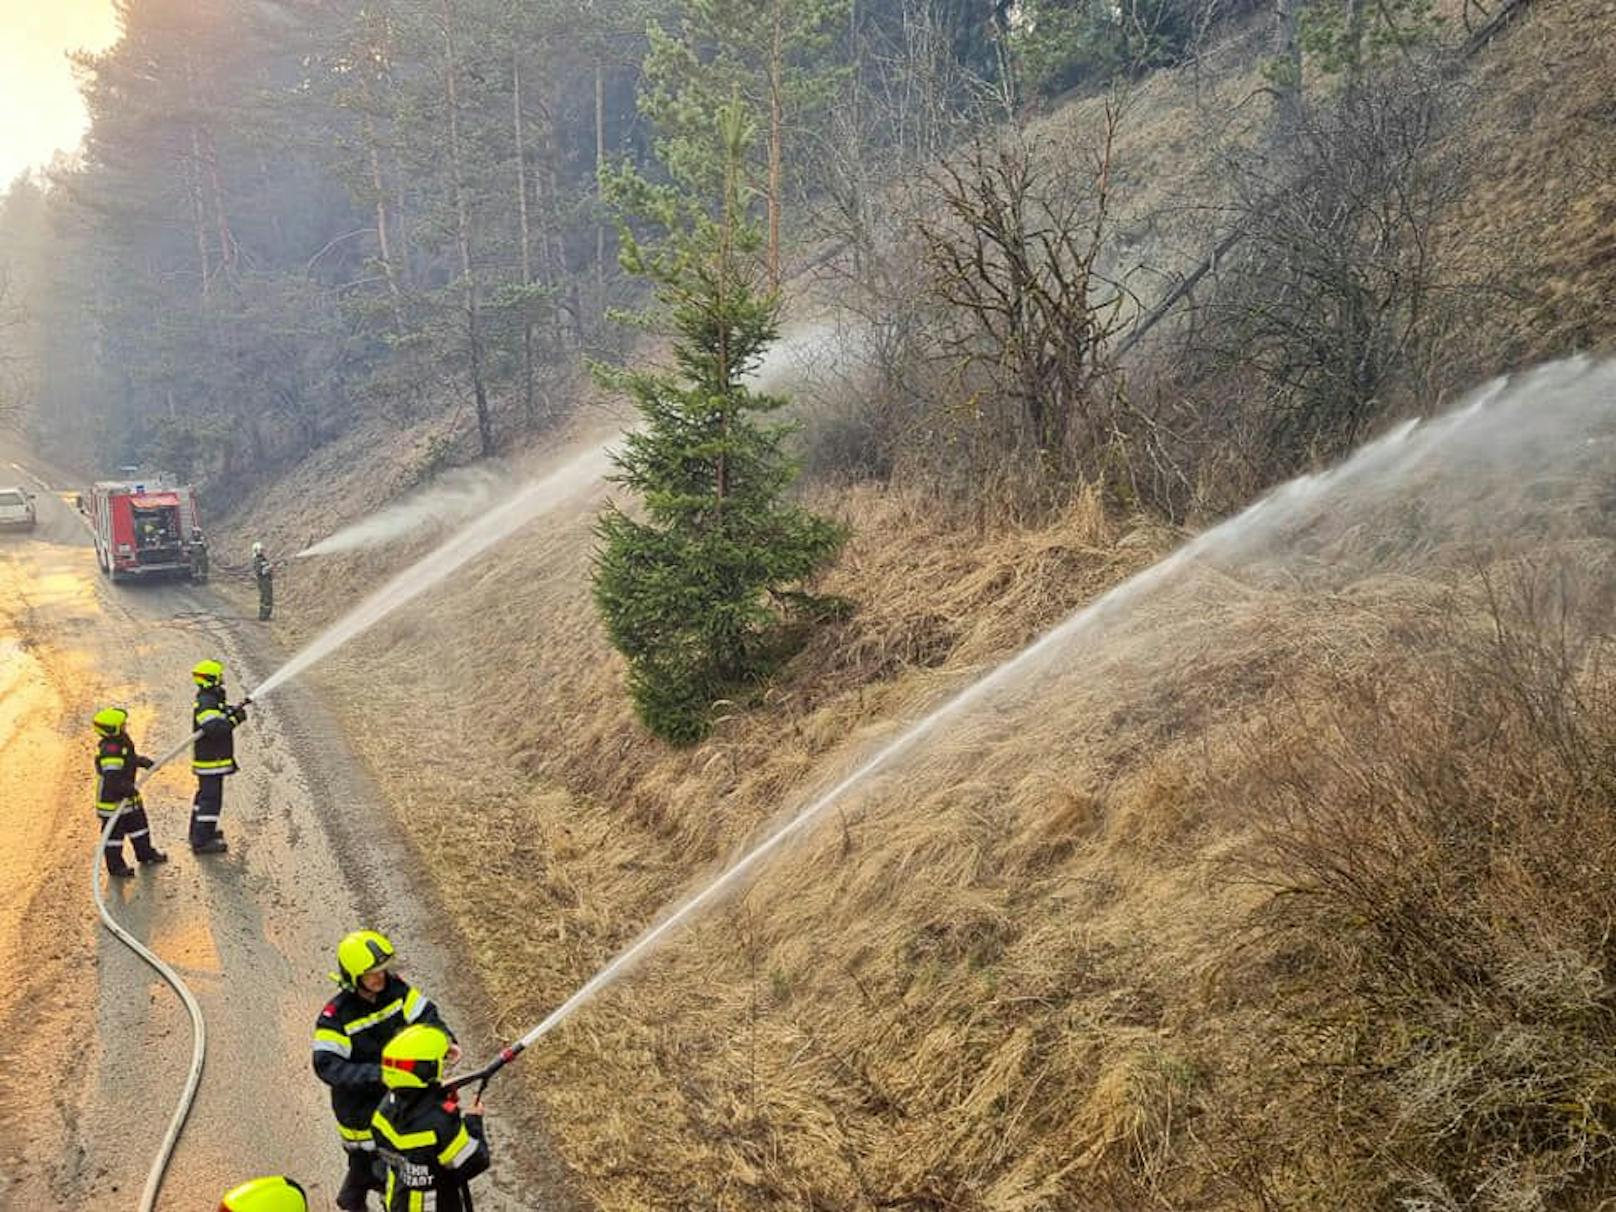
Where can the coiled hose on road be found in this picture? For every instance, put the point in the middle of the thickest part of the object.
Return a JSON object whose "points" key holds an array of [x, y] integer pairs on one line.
{"points": [[199, 1031]]}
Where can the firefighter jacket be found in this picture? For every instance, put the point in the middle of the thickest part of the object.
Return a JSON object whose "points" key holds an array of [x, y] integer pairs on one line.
{"points": [[431, 1151], [349, 1037], [263, 570], [115, 763], [215, 750]]}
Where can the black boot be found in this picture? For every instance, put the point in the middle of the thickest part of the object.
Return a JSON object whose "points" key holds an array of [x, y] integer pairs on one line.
{"points": [[354, 1194], [116, 867], [152, 858], [214, 845]]}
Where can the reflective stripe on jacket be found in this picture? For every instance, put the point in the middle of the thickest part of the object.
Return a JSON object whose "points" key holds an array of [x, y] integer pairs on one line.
{"points": [[349, 1037], [431, 1151], [215, 750], [115, 765]]}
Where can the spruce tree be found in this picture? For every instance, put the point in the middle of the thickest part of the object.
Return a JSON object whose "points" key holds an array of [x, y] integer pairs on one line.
{"points": [[688, 589], [778, 55]]}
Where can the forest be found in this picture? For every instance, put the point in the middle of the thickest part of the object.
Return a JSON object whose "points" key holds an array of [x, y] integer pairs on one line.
{"points": [[288, 215], [292, 217]]}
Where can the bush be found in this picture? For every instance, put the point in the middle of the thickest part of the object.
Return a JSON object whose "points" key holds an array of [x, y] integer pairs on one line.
{"points": [[1442, 914]]}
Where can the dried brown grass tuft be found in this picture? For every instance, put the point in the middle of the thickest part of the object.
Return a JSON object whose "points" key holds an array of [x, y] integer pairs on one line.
{"points": [[1539, 208]]}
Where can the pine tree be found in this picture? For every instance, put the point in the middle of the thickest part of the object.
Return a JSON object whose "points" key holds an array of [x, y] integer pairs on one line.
{"points": [[687, 593], [776, 55]]}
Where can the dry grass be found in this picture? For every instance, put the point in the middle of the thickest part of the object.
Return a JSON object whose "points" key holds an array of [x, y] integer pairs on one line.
{"points": [[1039, 967], [1437, 939], [1541, 155], [1146, 934]]}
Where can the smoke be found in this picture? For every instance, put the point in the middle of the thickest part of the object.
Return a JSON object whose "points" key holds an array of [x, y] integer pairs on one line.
{"points": [[446, 501]]}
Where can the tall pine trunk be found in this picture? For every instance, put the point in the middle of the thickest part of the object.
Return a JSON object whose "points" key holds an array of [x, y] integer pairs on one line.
{"points": [[1357, 18], [199, 221], [525, 232], [777, 68], [600, 199], [193, 180], [378, 178], [384, 238], [474, 341], [401, 215], [553, 263], [227, 241], [1288, 54]]}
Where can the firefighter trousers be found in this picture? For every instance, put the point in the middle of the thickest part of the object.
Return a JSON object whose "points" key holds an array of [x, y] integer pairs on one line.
{"points": [[132, 824], [206, 808], [363, 1176], [266, 597]]}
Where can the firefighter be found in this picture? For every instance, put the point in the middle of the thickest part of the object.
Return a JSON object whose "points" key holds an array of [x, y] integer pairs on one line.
{"points": [[430, 1148], [264, 574], [199, 555], [374, 1004], [115, 763], [213, 756], [277, 1194]]}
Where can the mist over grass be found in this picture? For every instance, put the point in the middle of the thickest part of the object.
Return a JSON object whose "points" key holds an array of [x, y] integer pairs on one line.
{"points": [[447, 501]]}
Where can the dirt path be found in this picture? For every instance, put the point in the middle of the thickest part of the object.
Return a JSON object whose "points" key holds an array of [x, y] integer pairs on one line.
{"points": [[94, 1047]]}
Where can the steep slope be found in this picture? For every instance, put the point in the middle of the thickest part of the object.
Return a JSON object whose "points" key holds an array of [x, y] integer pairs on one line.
{"points": [[1043, 965]]}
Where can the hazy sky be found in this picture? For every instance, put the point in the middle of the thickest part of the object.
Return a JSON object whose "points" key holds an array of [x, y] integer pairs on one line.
{"points": [[39, 106]]}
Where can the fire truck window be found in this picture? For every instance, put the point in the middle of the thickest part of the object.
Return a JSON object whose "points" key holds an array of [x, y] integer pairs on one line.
{"points": [[152, 527]]}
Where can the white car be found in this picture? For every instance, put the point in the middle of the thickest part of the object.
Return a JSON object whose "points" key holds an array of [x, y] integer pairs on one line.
{"points": [[16, 509]]}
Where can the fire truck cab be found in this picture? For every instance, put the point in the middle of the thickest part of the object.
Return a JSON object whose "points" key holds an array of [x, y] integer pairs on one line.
{"points": [[144, 529]]}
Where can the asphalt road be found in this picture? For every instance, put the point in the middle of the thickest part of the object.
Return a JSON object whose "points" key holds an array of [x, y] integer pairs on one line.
{"points": [[93, 1046]]}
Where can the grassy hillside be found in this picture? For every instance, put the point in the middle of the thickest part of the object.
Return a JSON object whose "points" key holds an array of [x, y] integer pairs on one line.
{"points": [[1286, 886]]}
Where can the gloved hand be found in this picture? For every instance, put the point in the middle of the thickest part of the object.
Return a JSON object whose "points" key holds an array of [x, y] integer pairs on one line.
{"points": [[144, 762], [237, 714]]}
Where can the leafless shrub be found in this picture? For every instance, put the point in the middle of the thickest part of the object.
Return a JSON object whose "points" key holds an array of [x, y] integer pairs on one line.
{"points": [[1013, 257], [1335, 298]]}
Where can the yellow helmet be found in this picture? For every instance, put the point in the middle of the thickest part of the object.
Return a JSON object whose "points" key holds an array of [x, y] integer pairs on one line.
{"points": [[413, 1059], [109, 721], [361, 952], [276, 1194], [207, 673]]}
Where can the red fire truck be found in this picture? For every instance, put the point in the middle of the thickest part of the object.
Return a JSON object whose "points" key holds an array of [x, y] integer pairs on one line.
{"points": [[145, 529]]}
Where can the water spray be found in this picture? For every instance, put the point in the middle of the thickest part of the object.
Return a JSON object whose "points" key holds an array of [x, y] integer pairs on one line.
{"points": [[537, 498], [583, 471], [449, 499], [1399, 453], [579, 473]]}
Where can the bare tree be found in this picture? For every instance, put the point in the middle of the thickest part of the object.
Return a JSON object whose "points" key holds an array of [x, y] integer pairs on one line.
{"points": [[1014, 258], [1332, 296]]}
